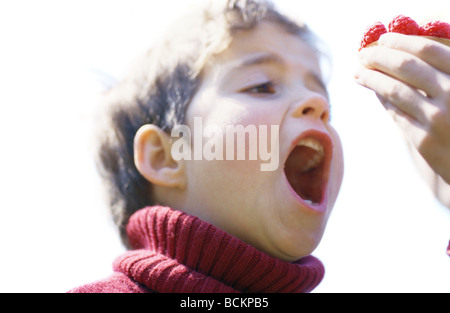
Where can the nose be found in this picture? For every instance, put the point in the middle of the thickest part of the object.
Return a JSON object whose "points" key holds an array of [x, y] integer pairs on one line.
{"points": [[316, 106]]}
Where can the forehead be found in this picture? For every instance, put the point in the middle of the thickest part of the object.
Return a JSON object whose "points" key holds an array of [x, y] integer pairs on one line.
{"points": [[268, 43]]}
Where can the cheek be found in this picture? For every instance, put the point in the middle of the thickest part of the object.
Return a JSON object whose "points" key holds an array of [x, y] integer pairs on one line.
{"points": [[221, 193], [337, 173], [226, 183], [218, 176], [338, 154]]}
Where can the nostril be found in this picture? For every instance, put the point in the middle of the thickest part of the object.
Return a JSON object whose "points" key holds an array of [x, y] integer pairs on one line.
{"points": [[325, 116], [307, 110], [313, 107], [311, 111]]}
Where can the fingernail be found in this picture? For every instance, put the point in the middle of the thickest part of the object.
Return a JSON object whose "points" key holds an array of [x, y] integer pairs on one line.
{"points": [[362, 57], [384, 38]]}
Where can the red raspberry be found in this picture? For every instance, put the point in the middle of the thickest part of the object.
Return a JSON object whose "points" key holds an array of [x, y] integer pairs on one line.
{"points": [[436, 29], [372, 34], [404, 25]]}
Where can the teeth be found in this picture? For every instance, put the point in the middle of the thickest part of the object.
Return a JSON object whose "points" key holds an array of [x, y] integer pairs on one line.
{"points": [[312, 163], [309, 202], [311, 143], [317, 158]]}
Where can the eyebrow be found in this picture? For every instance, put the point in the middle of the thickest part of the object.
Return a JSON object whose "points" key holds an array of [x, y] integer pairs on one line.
{"points": [[270, 58], [262, 58]]}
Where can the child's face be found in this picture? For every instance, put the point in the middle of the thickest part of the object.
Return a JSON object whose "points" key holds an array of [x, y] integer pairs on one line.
{"points": [[267, 77]]}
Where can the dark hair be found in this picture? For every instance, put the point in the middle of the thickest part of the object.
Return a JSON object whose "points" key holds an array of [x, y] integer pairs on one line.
{"points": [[160, 88]]}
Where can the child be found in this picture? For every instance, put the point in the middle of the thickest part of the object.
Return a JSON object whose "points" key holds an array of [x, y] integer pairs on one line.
{"points": [[199, 207]]}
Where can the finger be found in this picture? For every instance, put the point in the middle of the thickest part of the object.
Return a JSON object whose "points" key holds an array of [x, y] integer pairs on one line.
{"points": [[428, 146], [412, 130], [403, 97], [432, 52], [405, 67]]}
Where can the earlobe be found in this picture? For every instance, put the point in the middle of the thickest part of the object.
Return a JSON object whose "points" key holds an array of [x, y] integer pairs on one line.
{"points": [[153, 158]]}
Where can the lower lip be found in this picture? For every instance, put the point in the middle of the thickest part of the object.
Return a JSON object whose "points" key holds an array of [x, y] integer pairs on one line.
{"points": [[319, 208]]}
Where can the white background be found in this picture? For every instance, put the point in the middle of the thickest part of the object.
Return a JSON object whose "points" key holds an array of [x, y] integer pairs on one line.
{"points": [[386, 234]]}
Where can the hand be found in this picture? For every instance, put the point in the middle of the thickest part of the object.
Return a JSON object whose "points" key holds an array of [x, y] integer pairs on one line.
{"points": [[411, 76]]}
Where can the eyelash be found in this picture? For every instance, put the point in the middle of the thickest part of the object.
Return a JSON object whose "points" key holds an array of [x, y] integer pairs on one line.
{"points": [[265, 88], [269, 88]]}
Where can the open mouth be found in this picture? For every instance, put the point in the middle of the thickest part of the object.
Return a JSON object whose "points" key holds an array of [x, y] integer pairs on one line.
{"points": [[307, 168]]}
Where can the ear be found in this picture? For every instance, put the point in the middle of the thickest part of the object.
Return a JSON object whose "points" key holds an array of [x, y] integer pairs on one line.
{"points": [[153, 158]]}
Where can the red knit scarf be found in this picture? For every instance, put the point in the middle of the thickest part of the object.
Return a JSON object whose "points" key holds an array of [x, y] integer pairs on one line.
{"points": [[176, 252]]}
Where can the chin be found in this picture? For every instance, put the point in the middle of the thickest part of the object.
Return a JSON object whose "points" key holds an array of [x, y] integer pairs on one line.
{"points": [[297, 234], [294, 251]]}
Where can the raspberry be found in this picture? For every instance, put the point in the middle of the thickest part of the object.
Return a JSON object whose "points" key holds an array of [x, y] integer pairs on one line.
{"points": [[372, 34], [436, 29], [404, 25]]}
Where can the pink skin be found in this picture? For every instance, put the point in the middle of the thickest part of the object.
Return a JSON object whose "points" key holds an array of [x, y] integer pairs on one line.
{"points": [[256, 82]]}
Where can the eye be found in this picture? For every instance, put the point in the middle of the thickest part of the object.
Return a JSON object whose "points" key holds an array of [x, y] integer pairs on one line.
{"points": [[266, 88]]}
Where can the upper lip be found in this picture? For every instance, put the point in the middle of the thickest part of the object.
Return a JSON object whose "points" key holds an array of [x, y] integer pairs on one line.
{"points": [[321, 142]]}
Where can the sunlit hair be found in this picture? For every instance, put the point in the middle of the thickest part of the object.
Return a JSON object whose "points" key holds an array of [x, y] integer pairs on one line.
{"points": [[161, 85]]}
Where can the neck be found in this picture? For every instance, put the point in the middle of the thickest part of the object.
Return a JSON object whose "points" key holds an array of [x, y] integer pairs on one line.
{"points": [[176, 252]]}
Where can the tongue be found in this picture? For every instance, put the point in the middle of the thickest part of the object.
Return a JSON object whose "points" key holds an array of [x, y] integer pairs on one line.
{"points": [[306, 182]]}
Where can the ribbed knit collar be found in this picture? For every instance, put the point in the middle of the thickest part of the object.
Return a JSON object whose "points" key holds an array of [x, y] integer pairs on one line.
{"points": [[176, 252]]}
